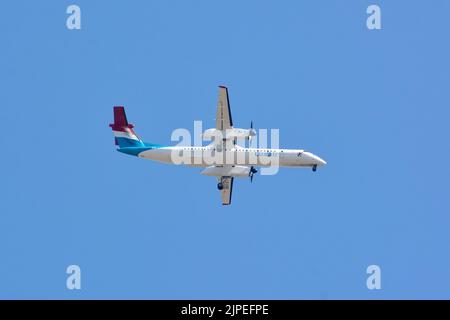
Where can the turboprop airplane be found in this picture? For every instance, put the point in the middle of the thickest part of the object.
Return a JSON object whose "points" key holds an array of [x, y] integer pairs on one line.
{"points": [[223, 158]]}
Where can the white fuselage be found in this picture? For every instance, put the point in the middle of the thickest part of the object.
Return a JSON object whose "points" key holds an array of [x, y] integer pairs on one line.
{"points": [[236, 155]]}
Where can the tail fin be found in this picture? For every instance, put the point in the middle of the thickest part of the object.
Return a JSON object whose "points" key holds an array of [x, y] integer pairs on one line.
{"points": [[123, 131]]}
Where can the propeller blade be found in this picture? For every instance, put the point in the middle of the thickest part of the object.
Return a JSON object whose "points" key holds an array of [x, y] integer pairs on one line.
{"points": [[252, 132], [252, 172]]}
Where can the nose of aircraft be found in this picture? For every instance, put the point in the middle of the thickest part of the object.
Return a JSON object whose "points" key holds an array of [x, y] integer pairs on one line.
{"points": [[316, 160], [320, 161]]}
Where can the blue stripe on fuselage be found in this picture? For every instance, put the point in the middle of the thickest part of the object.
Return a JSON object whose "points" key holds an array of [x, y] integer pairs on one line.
{"points": [[135, 150], [127, 142]]}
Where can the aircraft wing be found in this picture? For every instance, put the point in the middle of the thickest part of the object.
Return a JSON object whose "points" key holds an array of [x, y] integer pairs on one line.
{"points": [[227, 189], [223, 113]]}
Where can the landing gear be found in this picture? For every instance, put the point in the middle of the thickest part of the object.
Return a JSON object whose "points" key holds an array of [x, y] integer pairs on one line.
{"points": [[314, 168], [220, 186]]}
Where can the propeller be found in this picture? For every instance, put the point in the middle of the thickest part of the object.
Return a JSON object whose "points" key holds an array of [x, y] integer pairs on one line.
{"points": [[252, 172]]}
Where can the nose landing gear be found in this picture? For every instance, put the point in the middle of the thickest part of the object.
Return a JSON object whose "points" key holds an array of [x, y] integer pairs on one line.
{"points": [[314, 168]]}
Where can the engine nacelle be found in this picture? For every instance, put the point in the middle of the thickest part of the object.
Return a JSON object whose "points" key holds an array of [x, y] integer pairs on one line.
{"points": [[212, 133], [241, 133], [229, 133], [236, 171]]}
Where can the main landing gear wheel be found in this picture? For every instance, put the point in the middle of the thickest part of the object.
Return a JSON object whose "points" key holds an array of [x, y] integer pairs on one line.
{"points": [[220, 186], [314, 168]]}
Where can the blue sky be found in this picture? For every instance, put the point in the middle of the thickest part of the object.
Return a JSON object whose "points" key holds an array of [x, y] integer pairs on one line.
{"points": [[374, 104]]}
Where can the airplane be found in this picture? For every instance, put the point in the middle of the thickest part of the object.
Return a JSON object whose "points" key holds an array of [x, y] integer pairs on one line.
{"points": [[234, 160]]}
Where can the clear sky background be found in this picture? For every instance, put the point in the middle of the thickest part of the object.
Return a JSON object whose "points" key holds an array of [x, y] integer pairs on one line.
{"points": [[373, 104]]}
